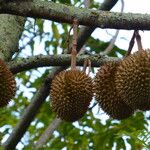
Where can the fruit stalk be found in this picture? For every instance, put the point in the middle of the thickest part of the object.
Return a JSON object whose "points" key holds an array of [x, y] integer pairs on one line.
{"points": [[74, 44]]}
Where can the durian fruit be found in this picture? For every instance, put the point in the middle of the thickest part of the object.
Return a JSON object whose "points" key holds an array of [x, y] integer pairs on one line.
{"points": [[133, 80], [71, 93], [106, 94], [7, 84]]}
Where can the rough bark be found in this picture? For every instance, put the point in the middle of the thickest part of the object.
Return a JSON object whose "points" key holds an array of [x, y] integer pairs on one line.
{"points": [[64, 13], [63, 60], [11, 28]]}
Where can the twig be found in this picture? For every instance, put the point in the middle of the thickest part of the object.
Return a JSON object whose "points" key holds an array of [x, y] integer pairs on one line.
{"points": [[113, 40], [74, 44], [111, 44], [89, 64], [85, 65], [68, 39], [21, 48], [93, 106], [47, 133], [138, 39], [131, 44]]}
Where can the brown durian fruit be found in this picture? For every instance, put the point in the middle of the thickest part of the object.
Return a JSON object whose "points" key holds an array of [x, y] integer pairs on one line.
{"points": [[106, 94], [71, 93], [7, 84], [133, 80]]}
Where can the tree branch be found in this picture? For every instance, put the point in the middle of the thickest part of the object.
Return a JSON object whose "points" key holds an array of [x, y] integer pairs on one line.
{"points": [[64, 13], [50, 130], [47, 133], [114, 38], [25, 64]]}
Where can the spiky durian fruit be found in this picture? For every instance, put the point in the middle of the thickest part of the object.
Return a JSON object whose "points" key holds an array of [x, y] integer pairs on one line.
{"points": [[133, 80], [71, 93], [106, 93], [7, 84]]}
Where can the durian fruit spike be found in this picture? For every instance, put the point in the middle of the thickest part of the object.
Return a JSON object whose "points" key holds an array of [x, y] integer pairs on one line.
{"points": [[71, 93], [106, 94], [7, 84], [133, 80]]}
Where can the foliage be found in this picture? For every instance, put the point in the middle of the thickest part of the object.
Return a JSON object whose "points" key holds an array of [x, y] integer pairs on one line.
{"points": [[91, 132]]}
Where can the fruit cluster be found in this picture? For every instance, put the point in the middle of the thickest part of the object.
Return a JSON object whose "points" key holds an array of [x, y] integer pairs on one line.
{"points": [[124, 87], [120, 88]]}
